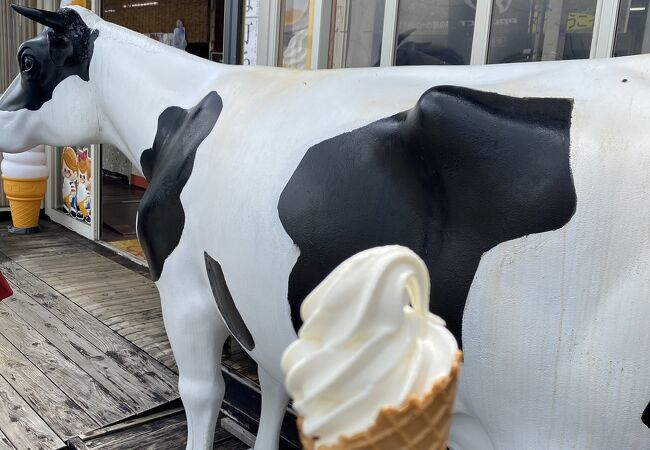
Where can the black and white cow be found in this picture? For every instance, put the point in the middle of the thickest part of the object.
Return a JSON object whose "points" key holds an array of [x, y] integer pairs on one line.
{"points": [[525, 188]]}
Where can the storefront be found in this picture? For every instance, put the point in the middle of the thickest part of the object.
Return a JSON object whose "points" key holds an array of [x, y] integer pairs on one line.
{"points": [[95, 190], [320, 34]]}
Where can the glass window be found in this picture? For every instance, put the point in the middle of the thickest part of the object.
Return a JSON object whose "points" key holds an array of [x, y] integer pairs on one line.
{"points": [[632, 30], [541, 30], [357, 33], [296, 34], [434, 32]]}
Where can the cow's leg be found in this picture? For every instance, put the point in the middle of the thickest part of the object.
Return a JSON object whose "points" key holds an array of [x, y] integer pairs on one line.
{"points": [[197, 334], [274, 404]]}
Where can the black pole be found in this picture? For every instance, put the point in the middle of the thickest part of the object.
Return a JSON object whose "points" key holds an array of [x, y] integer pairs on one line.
{"points": [[232, 27]]}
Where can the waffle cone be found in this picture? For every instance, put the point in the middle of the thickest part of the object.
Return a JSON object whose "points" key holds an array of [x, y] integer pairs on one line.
{"points": [[420, 423], [25, 197]]}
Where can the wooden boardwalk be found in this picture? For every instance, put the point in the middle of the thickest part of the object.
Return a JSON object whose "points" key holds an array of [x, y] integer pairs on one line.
{"points": [[66, 265], [164, 433], [82, 345]]}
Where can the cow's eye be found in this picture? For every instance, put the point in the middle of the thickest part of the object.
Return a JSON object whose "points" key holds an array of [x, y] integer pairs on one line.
{"points": [[27, 63]]}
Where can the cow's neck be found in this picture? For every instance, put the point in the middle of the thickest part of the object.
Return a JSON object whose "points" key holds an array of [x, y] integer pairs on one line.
{"points": [[137, 79]]}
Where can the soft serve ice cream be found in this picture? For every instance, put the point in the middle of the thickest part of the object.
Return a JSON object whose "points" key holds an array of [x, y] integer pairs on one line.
{"points": [[31, 164], [368, 341], [24, 177]]}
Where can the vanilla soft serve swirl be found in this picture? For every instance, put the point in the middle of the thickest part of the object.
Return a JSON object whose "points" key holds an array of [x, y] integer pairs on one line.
{"points": [[368, 341], [27, 165]]}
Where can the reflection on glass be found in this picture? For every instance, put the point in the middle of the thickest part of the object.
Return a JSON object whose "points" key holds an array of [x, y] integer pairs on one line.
{"points": [[358, 26], [633, 28], [541, 30], [434, 32], [295, 48]]}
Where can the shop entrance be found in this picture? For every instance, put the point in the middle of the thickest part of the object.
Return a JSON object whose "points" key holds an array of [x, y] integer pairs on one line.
{"points": [[122, 189]]}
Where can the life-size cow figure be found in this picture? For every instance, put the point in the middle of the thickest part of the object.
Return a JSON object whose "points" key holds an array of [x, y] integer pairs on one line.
{"points": [[525, 188]]}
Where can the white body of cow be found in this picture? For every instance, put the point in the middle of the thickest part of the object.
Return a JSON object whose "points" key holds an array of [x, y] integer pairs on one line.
{"points": [[555, 329]]}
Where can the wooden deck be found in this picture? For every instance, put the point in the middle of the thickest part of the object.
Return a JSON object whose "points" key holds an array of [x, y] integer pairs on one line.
{"points": [[62, 264], [165, 432], [82, 347]]}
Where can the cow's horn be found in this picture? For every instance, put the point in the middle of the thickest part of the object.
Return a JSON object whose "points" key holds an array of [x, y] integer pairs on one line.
{"points": [[54, 20]]}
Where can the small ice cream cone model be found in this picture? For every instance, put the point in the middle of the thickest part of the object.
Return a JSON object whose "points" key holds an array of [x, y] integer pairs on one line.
{"points": [[24, 177], [372, 368], [69, 172]]}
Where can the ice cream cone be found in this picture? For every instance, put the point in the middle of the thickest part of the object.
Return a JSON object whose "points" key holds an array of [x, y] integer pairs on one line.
{"points": [[420, 423], [25, 197]]}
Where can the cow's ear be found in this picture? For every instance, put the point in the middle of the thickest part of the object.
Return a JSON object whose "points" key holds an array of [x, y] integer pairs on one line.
{"points": [[495, 155]]}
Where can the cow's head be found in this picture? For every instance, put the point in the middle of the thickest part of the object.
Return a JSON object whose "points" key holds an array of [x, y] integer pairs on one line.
{"points": [[51, 101]]}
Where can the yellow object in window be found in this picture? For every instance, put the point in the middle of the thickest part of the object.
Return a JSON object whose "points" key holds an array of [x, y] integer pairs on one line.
{"points": [[297, 34], [81, 3]]}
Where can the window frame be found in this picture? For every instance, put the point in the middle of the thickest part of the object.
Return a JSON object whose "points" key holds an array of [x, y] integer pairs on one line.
{"points": [[388, 38], [602, 45]]}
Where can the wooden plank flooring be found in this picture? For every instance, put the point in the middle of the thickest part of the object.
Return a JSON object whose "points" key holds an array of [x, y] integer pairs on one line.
{"points": [[60, 412], [63, 372], [105, 289], [82, 346], [166, 433], [25, 428], [116, 291]]}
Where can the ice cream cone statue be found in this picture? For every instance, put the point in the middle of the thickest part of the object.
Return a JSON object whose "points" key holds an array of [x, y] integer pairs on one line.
{"points": [[84, 186], [24, 177], [372, 367]]}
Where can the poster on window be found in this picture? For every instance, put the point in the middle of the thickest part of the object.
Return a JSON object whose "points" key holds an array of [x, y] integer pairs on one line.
{"points": [[76, 171]]}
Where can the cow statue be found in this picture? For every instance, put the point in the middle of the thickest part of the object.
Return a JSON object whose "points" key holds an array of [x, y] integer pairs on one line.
{"points": [[525, 188]]}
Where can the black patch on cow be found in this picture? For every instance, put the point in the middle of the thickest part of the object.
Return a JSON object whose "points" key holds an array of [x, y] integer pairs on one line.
{"points": [[451, 178], [226, 304], [167, 166], [63, 49], [645, 417]]}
